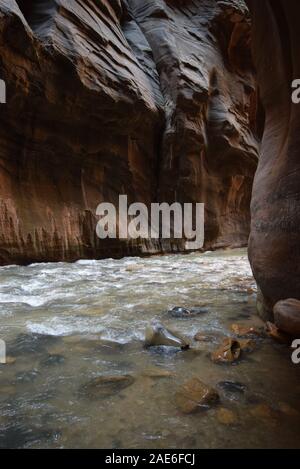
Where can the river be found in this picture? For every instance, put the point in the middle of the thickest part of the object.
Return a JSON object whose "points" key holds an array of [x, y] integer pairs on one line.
{"points": [[67, 324]]}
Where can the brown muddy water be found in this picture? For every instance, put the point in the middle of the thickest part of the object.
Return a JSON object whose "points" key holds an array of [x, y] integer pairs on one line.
{"points": [[67, 324]]}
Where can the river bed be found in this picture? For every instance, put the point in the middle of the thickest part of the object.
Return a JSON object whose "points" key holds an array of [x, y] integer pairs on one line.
{"points": [[67, 324]]}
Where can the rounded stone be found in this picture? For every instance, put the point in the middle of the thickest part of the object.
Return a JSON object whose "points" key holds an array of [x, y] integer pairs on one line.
{"points": [[287, 316]]}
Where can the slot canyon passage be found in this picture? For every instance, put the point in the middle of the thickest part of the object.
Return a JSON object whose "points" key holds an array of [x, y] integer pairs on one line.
{"points": [[162, 100]]}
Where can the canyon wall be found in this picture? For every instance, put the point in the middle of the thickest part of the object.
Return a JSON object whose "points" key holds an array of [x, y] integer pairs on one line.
{"points": [[154, 99], [275, 232]]}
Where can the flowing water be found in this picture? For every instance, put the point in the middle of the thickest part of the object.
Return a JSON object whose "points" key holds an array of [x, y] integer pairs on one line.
{"points": [[67, 324]]}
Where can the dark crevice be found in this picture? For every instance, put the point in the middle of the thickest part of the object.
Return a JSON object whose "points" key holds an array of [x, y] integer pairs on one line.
{"points": [[284, 33], [39, 14], [26, 7]]}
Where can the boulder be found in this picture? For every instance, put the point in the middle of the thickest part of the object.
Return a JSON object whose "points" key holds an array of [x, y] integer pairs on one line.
{"points": [[287, 316], [52, 360], [264, 411]]}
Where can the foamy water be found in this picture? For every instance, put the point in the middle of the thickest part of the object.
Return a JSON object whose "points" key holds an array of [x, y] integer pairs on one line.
{"points": [[92, 316]]}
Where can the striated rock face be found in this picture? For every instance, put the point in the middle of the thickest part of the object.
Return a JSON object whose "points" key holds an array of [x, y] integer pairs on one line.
{"points": [[154, 99], [275, 232]]}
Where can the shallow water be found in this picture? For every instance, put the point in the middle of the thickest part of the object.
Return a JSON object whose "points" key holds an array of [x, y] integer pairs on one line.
{"points": [[66, 324]]}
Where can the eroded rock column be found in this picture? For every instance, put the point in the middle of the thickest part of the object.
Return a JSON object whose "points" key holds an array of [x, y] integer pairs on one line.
{"points": [[275, 231]]}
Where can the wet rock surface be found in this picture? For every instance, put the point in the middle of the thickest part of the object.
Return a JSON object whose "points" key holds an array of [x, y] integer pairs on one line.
{"points": [[184, 313], [287, 316], [244, 330], [232, 387], [265, 412], [157, 335], [105, 386], [279, 336], [247, 345]]}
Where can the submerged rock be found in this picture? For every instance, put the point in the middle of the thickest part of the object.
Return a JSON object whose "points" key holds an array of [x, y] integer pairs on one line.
{"points": [[194, 395], [287, 316], [273, 332], [106, 386], [9, 361], [228, 352], [53, 359], [156, 372], [179, 312], [207, 337], [232, 387], [27, 376], [157, 335], [31, 343], [264, 412], [226, 416], [201, 337], [245, 330], [247, 345], [183, 313], [19, 435]]}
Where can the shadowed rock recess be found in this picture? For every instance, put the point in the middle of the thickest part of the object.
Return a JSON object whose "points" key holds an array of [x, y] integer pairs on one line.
{"points": [[155, 99], [275, 231]]}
